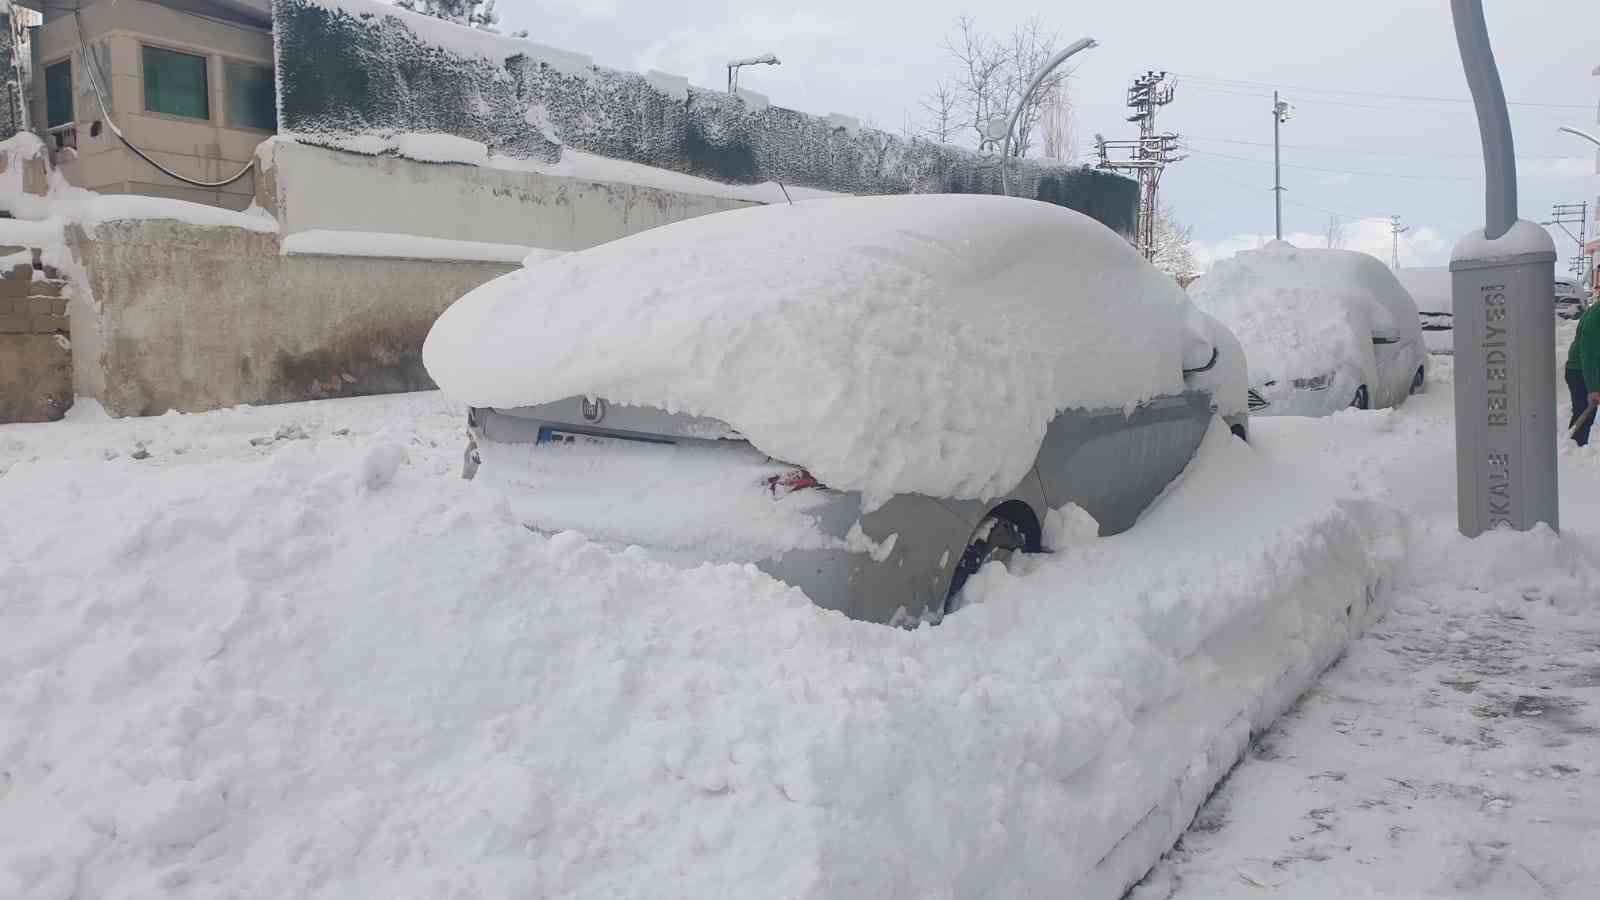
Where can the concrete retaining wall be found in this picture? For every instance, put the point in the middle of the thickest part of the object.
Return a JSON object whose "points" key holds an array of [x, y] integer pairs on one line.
{"points": [[191, 318], [307, 187]]}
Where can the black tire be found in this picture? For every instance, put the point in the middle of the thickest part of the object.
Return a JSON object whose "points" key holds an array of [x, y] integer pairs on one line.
{"points": [[1419, 381], [996, 539], [1362, 400]]}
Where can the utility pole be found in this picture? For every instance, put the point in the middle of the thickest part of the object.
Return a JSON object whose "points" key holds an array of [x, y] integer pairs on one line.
{"points": [[1395, 230], [1564, 214], [1149, 155], [1280, 115]]}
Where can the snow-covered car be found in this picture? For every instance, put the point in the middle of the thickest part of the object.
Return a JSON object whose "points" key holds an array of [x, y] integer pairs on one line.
{"points": [[1570, 298], [1429, 287], [869, 398], [1322, 329]]}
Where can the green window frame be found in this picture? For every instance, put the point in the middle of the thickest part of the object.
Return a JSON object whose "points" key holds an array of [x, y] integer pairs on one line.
{"points": [[252, 95], [176, 83], [58, 93]]}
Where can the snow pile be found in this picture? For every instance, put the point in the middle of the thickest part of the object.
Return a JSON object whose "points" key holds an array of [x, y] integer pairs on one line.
{"points": [[576, 164], [392, 245], [889, 344], [327, 667], [1299, 313]]}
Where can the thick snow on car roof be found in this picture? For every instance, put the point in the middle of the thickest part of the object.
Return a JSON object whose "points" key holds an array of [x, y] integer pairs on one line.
{"points": [[889, 344], [1302, 312]]}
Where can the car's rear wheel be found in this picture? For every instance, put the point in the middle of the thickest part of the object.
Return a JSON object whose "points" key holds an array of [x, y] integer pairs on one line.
{"points": [[996, 539], [1419, 381], [1362, 400]]}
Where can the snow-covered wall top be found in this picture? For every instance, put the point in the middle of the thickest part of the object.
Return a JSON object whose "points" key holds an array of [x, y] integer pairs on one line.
{"points": [[349, 68]]}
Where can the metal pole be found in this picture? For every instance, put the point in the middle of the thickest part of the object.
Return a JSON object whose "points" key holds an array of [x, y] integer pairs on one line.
{"points": [[1277, 169], [1494, 122], [1044, 72]]}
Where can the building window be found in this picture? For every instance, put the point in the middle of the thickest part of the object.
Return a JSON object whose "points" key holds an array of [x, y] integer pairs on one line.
{"points": [[251, 103], [58, 93], [175, 83]]}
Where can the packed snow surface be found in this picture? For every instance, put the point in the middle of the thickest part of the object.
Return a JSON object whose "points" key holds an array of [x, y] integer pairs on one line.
{"points": [[1523, 239], [889, 344], [288, 652], [1455, 751], [1299, 313]]}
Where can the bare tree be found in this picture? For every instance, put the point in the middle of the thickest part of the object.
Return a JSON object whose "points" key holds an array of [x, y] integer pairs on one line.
{"points": [[1058, 139], [1172, 239], [1031, 46], [982, 76], [941, 107], [1334, 236], [989, 80]]}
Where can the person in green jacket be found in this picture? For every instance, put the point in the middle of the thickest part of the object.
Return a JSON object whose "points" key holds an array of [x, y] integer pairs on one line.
{"points": [[1583, 370]]}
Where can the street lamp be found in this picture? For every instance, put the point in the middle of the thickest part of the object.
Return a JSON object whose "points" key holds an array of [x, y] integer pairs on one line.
{"points": [[1280, 114], [1022, 103], [1583, 134], [765, 59]]}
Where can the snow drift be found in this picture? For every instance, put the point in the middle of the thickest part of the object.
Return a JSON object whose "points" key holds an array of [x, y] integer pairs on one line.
{"points": [[889, 344], [288, 653]]}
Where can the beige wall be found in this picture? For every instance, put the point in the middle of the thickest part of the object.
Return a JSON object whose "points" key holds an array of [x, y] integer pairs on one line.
{"points": [[309, 188], [194, 318], [204, 150]]}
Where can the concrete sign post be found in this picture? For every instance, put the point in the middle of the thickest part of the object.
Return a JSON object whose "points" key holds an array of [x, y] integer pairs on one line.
{"points": [[1503, 298]]}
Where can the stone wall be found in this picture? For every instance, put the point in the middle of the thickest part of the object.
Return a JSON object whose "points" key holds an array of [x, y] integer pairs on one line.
{"points": [[354, 73], [195, 318], [35, 341]]}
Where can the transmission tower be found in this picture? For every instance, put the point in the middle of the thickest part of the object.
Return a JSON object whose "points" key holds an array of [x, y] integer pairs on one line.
{"points": [[1564, 214], [1148, 155], [1395, 230]]}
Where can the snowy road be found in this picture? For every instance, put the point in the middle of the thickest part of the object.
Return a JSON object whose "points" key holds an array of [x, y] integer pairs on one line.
{"points": [[1455, 750]]}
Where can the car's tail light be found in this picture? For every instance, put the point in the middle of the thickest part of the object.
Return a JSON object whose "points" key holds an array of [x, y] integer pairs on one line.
{"points": [[791, 481]]}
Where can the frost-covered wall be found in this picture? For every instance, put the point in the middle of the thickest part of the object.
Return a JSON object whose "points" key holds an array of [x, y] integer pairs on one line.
{"points": [[348, 69], [10, 77]]}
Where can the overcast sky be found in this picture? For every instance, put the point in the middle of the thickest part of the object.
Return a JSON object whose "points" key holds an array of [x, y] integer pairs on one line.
{"points": [[1414, 155]]}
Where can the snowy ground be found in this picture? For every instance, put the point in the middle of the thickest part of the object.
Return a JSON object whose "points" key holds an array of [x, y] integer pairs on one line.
{"points": [[285, 652], [1455, 751]]}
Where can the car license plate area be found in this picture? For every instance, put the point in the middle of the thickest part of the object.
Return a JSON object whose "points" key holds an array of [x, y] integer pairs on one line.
{"points": [[563, 438]]}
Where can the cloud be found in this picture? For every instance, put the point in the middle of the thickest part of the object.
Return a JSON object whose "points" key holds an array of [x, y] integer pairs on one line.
{"points": [[1421, 246], [1557, 169], [593, 9]]}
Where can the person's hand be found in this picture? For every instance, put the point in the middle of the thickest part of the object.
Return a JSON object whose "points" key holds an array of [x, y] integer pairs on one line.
{"points": [[1594, 398]]}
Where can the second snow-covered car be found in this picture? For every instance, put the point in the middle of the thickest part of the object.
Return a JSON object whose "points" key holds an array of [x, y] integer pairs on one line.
{"points": [[1323, 329], [869, 398]]}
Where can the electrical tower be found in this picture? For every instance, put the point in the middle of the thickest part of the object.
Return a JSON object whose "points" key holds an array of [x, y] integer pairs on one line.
{"points": [[1148, 155], [1395, 230], [1564, 214]]}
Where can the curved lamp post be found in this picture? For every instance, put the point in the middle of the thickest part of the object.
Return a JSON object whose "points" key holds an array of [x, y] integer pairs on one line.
{"points": [[1022, 103], [1583, 134]]}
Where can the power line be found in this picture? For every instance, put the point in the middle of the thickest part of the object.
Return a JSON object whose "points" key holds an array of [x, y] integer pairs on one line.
{"points": [[1364, 174], [1360, 151], [1379, 94], [1400, 106], [1257, 189]]}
